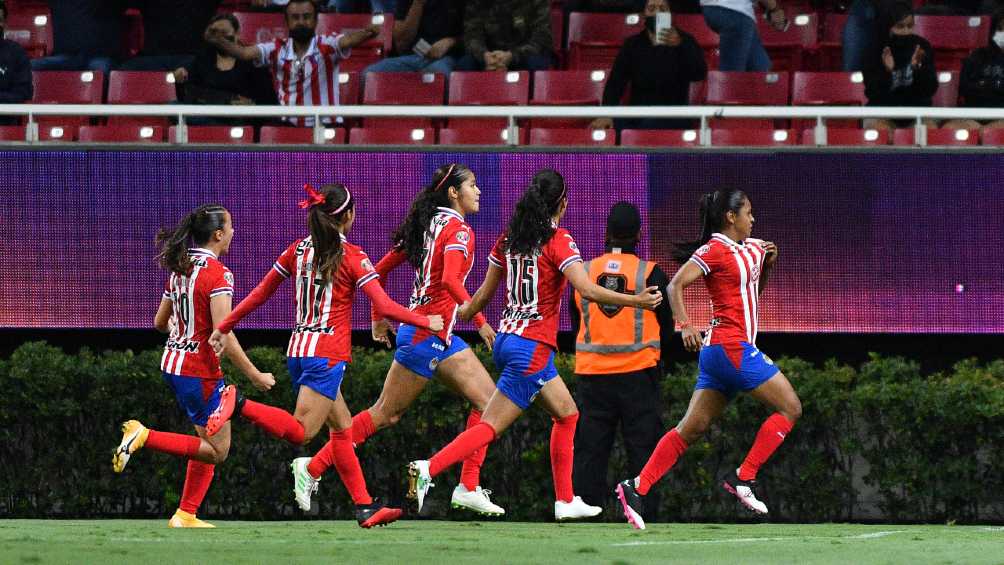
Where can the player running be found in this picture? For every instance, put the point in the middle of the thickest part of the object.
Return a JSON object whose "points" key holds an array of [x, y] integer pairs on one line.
{"points": [[735, 268], [327, 270], [197, 295], [535, 257]]}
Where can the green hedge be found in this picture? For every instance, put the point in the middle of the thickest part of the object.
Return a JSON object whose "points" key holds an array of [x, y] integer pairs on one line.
{"points": [[879, 441]]}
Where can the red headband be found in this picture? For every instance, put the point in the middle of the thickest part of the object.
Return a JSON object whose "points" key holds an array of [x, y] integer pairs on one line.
{"points": [[315, 198], [446, 176]]}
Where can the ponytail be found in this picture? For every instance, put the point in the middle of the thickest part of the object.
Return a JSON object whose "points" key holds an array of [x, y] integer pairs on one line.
{"points": [[197, 227], [713, 207], [530, 226], [409, 236], [327, 210]]}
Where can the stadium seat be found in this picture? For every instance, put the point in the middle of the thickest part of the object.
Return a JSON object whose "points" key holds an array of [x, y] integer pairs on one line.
{"points": [[416, 89], [261, 27], [558, 35], [12, 133], [567, 88], [121, 134], [830, 51], [369, 51], [349, 89], [239, 135], [698, 93], [752, 137], [706, 38], [992, 136], [478, 136], [391, 136], [489, 88], [828, 89], [595, 39], [277, 135], [786, 48], [848, 137], [31, 29], [947, 95], [660, 138], [952, 37], [55, 132], [67, 87], [938, 137], [573, 137], [750, 89], [140, 87]]}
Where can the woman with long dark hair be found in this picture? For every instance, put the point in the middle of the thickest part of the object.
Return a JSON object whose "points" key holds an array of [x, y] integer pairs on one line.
{"points": [[197, 295], [326, 270], [735, 268], [536, 257]]}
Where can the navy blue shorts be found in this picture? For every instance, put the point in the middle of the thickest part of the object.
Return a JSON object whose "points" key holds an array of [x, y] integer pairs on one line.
{"points": [[718, 370], [319, 374], [526, 366], [198, 398], [423, 357]]}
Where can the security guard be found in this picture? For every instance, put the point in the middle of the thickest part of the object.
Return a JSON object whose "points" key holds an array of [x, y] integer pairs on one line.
{"points": [[617, 361]]}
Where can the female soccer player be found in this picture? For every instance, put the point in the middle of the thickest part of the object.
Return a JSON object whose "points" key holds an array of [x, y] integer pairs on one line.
{"points": [[438, 243], [536, 257], [326, 269], [197, 295], [735, 268]]}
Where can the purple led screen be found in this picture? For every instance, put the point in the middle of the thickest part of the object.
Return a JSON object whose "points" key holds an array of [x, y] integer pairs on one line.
{"points": [[887, 242]]}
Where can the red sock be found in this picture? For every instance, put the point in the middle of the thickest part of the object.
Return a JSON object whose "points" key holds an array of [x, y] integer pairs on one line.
{"points": [[197, 481], [461, 447], [323, 459], [470, 474], [347, 465], [669, 449], [176, 444], [562, 454], [362, 427], [275, 421], [768, 439]]}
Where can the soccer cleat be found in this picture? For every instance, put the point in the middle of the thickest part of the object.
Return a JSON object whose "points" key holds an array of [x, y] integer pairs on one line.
{"points": [[376, 514], [224, 411], [304, 485], [574, 510], [182, 519], [133, 437], [743, 490], [419, 481], [476, 501], [631, 502]]}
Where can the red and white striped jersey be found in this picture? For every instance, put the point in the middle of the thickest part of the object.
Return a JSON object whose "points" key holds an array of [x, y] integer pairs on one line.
{"points": [[310, 81], [447, 232], [732, 275], [187, 351], [324, 308], [534, 287]]}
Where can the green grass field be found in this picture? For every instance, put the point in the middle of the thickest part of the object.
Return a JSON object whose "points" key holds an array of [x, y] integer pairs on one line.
{"points": [[147, 542]]}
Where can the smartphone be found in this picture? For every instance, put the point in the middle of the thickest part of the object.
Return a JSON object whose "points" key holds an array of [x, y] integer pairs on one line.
{"points": [[663, 21], [421, 47]]}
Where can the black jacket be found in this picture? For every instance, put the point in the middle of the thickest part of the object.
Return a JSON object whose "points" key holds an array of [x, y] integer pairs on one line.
{"points": [[15, 74], [905, 85], [209, 85], [981, 84], [659, 75]]}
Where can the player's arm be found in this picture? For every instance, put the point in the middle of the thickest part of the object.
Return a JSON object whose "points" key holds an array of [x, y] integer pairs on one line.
{"points": [[384, 307], [484, 293], [593, 292], [353, 38], [453, 282], [261, 293], [162, 320], [768, 264], [219, 306], [683, 278]]}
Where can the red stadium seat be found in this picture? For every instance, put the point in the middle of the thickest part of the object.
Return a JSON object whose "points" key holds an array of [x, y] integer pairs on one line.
{"points": [[830, 57], [478, 136], [786, 48], [416, 89], [277, 135], [58, 132], [660, 138], [391, 136], [121, 134], [939, 137], [595, 39], [490, 88], [953, 37], [31, 29], [238, 135], [698, 93], [706, 38], [567, 88], [140, 87], [993, 136], [371, 50], [828, 89], [349, 89], [558, 34], [750, 89], [752, 137], [947, 95], [12, 133], [848, 137], [67, 87], [261, 27], [573, 137]]}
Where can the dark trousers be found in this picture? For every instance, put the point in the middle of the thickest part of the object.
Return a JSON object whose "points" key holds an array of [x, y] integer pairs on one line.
{"points": [[630, 400]]}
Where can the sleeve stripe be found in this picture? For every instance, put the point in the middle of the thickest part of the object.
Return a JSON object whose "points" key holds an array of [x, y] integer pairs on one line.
{"points": [[569, 262], [167, 295], [700, 263], [455, 247], [367, 278], [494, 261], [279, 269], [220, 292]]}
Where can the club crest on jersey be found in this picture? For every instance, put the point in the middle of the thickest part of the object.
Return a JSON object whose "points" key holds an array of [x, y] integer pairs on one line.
{"points": [[573, 247], [613, 266], [229, 277], [463, 237], [703, 250], [366, 264], [755, 271]]}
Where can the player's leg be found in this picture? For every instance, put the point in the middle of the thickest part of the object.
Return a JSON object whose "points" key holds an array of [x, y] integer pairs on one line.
{"points": [[400, 389], [198, 478]]}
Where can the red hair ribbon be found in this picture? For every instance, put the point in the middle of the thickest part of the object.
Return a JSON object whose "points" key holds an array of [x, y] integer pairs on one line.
{"points": [[314, 198], [446, 176]]}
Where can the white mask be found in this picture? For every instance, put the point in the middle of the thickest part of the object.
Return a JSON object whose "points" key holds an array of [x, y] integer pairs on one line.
{"points": [[999, 39]]}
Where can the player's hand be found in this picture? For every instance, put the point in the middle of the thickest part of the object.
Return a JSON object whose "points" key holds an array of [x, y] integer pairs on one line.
{"points": [[381, 332], [464, 313], [650, 299], [435, 323], [487, 335], [771, 248], [218, 341], [263, 381], [691, 339]]}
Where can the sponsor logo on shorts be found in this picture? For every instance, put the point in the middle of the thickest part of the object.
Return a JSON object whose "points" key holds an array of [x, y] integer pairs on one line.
{"points": [[438, 346], [433, 363]]}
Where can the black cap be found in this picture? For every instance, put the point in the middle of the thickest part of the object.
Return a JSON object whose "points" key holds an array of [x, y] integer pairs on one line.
{"points": [[624, 220]]}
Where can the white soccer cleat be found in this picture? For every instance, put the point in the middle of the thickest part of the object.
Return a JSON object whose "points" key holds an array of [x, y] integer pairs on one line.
{"points": [[743, 490], [304, 485], [476, 501], [419, 481], [574, 510]]}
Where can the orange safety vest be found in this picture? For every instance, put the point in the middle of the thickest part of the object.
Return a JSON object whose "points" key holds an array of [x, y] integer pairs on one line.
{"points": [[616, 339]]}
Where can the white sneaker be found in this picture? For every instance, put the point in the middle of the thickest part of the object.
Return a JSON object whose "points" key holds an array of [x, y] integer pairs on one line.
{"points": [[574, 510], [304, 485], [476, 501], [419, 481], [743, 490]]}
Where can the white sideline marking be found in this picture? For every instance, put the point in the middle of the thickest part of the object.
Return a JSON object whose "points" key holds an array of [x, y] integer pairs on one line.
{"points": [[871, 535], [999, 529]]}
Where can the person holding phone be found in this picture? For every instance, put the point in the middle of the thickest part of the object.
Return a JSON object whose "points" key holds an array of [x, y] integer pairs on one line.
{"points": [[658, 64], [740, 47]]}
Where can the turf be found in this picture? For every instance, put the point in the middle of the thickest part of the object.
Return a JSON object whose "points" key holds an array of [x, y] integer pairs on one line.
{"points": [[151, 543]]}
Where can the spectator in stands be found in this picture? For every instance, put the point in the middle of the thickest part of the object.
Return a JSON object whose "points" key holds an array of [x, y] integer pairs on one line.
{"points": [[429, 31], [505, 35], [340, 6], [658, 69], [982, 82], [900, 70], [861, 31], [172, 33], [305, 66], [739, 46], [15, 71], [87, 35]]}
